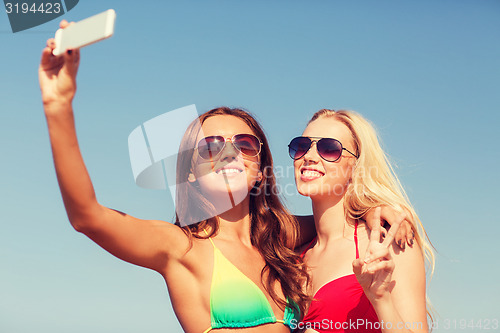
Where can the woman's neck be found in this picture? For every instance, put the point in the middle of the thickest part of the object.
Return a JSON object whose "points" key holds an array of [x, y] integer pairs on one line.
{"points": [[234, 224], [329, 218]]}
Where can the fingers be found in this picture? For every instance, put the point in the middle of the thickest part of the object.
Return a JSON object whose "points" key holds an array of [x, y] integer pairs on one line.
{"points": [[383, 231], [48, 60], [51, 42], [65, 24], [410, 237], [377, 255], [400, 237], [405, 234], [369, 219], [51, 45], [72, 55], [72, 60], [46, 55], [393, 230], [375, 222], [390, 214], [384, 265], [357, 266]]}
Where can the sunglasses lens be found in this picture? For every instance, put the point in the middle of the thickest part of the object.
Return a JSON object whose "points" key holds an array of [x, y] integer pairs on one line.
{"points": [[298, 147], [210, 146], [329, 149], [248, 144]]}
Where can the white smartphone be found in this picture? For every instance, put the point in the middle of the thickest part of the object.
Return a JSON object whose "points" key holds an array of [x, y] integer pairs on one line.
{"points": [[85, 32]]}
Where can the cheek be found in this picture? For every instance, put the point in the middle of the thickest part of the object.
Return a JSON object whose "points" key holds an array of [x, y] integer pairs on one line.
{"points": [[202, 169], [296, 168], [254, 173], [339, 174]]}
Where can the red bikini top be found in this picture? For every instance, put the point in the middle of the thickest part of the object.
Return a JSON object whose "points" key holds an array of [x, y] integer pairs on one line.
{"points": [[341, 305]]}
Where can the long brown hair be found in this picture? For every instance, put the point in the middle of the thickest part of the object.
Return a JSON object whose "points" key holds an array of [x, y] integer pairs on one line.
{"points": [[273, 230]]}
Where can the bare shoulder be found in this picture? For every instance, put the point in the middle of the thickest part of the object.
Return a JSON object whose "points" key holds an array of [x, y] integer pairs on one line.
{"points": [[409, 256], [189, 251], [409, 292], [409, 265], [410, 280]]}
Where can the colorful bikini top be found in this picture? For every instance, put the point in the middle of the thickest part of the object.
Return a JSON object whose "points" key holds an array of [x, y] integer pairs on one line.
{"points": [[236, 301], [341, 305]]}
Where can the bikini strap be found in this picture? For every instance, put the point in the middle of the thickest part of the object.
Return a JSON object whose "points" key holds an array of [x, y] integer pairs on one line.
{"points": [[307, 248], [210, 238], [211, 241], [356, 238]]}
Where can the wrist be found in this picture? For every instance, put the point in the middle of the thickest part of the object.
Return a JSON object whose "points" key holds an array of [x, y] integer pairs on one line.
{"points": [[381, 300], [382, 304], [58, 106]]}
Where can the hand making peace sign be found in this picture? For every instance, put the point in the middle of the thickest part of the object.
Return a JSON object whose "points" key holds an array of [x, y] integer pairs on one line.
{"points": [[374, 271]]}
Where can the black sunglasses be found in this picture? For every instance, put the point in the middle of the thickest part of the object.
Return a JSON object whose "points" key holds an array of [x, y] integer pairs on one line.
{"points": [[211, 146], [328, 149]]}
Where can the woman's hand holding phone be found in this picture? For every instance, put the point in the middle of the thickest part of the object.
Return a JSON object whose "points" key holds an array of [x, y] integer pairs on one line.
{"points": [[57, 75]]}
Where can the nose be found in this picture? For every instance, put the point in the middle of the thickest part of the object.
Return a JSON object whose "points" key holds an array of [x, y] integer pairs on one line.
{"points": [[312, 154], [229, 152]]}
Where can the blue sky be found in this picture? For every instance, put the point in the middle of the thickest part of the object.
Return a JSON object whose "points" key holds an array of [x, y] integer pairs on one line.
{"points": [[426, 73]]}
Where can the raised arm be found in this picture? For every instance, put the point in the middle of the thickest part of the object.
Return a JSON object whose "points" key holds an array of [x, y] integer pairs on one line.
{"points": [[147, 243]]}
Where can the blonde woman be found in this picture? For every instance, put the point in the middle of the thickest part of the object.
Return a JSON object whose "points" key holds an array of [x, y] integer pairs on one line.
{"points": [[360, 282]]}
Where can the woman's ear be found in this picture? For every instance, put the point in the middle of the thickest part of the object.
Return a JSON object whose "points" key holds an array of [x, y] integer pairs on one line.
{"points": [[259, 176], [258, 180]]}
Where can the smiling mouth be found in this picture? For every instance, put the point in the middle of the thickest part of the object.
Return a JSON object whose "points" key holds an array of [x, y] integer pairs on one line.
{"points": [[229, 171], [311, 174]]}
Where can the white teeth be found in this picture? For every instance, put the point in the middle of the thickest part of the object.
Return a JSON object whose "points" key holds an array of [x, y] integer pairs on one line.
{"points": [[228, 171], [311, 173]]}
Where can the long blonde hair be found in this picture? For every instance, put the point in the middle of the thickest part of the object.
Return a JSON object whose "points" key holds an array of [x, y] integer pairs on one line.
{"points": [[374, 182]]}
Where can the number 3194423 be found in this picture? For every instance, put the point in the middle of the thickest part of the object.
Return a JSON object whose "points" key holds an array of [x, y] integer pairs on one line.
{"points": [[464, 324], [24, 8]]}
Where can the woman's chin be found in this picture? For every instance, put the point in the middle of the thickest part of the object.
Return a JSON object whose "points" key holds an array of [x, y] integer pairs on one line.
{"points": [[317, 191], [227, 197], [308, 189]]}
